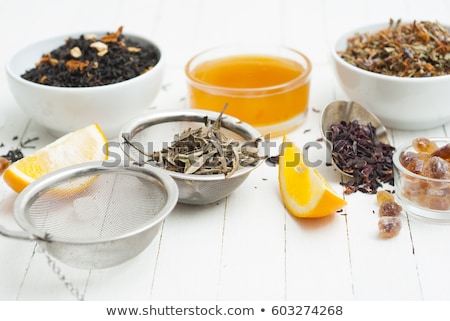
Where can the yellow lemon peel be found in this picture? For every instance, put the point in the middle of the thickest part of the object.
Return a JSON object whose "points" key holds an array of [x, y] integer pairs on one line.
{"points": [[83, 145], [304, 191]]}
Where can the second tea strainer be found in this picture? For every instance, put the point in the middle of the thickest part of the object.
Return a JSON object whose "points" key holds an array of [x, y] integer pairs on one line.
{"points": [[94, 215]]}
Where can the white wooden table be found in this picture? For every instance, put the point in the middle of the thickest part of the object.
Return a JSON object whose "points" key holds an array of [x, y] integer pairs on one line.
{"points": [[245, 247]]}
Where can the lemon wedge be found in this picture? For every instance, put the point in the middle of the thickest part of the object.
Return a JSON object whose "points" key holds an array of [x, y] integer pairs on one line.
{"points": [[83, 145], [305, 193]]}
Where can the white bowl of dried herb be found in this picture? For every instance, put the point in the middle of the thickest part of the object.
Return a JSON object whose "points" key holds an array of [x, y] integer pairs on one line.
{"points": [[69, 81], [398, 70], [208, 154]]}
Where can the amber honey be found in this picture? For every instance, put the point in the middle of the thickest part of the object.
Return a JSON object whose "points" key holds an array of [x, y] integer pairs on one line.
{"points": [[266, 91]]}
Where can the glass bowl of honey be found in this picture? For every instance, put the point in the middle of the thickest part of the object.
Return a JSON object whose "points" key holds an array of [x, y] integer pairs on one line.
{"points": [[265, 86]]}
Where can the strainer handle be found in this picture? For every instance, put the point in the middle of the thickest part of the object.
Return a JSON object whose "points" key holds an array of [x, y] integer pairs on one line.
{"points": [[19, 235]]}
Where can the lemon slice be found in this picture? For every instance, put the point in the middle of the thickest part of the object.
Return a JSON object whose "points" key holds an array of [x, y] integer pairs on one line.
{"points": [[83, 145], [304, 191]]}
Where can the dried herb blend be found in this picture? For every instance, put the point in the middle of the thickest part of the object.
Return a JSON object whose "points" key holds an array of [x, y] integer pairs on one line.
{"points": [[418, 49], [205, 151], [89, 61], [356, 151]]}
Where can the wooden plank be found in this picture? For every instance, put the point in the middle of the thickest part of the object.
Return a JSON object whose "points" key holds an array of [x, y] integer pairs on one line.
{"points": [[431, 245], [318, 260], [176, 30], [251, 21], [131, 280], [429, 240], [381, 268], [253, 261], [247, 246], [15, 255], [189, 257], [304, 29], [42, 283]]}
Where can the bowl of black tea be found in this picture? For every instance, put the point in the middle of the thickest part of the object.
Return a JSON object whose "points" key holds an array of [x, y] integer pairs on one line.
{"points": [[69, 81]]}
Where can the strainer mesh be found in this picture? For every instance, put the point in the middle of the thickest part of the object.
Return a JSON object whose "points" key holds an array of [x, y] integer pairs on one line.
{"points": [[96, 206]]}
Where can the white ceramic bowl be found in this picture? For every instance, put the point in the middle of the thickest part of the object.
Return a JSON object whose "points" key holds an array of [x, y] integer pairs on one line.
{"points": [[63, 109], [401, 103]]}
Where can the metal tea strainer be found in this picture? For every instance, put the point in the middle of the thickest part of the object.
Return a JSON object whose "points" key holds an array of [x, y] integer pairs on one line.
{"points": [[155, 130], [94, 215]]}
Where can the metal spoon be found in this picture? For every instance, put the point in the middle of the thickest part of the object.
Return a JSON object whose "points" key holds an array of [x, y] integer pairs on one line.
{"points": [[338, 111]]}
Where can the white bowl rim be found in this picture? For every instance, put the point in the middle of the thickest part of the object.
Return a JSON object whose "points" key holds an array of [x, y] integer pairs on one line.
{"points": [[160, 63], [373, 28]]}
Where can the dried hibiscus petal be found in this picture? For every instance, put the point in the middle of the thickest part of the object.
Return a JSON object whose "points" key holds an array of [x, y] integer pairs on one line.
{"points": [[357, 151]]}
